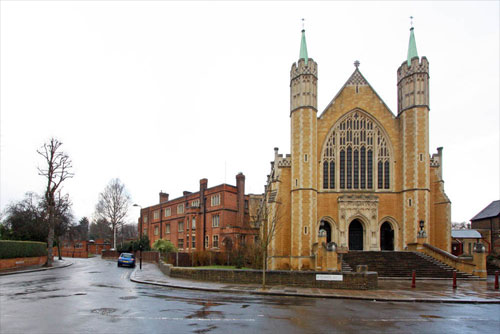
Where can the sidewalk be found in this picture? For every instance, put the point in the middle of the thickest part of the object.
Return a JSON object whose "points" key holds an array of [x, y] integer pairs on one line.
{"points": [[430, 291], [55, 265]]}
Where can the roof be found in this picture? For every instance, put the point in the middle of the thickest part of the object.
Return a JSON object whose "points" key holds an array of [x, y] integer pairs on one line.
{"points": [[303, 47], [356, 79], [492, 210], [465, 234], [412, 47]]}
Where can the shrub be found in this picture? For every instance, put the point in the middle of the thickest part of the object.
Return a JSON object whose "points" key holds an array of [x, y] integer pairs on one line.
{"points": [[11, 249]]}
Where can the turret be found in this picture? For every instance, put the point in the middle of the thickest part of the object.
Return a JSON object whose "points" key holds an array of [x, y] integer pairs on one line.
{"points": [[303, 80], [303, 110], [413, 79], [413, 114]]}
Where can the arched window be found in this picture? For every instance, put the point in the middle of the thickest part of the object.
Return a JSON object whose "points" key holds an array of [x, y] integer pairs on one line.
{"points": [[358, 148]]}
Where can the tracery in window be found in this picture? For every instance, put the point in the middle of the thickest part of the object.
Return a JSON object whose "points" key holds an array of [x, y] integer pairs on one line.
{"points": [[356, 152]]}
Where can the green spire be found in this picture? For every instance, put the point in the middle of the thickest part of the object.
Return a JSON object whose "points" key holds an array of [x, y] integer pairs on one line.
{"points": [[412, 47], [303, 47]]}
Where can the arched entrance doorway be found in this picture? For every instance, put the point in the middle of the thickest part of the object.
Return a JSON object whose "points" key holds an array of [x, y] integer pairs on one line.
{"points": [[355, 235], [324, 225], [386, 237]]}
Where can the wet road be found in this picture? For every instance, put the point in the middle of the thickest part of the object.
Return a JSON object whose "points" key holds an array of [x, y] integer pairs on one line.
{"points": [[95, 296]]}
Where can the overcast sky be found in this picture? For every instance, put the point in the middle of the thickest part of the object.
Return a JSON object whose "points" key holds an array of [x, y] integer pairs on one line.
{"points": [[161, 94]]}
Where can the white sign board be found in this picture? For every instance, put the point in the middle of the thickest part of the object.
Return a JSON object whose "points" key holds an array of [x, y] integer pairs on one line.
{"points": [[322, 277]]}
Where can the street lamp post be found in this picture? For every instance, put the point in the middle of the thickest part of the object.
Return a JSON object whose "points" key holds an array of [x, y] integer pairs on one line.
{"points": [[140, 237]]}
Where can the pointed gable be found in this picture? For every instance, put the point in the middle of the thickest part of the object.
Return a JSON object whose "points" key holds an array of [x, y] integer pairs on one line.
{"points": [[356, 79]]}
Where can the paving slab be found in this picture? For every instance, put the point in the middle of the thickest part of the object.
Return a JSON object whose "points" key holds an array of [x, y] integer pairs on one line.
{"points": [[431, 291]]}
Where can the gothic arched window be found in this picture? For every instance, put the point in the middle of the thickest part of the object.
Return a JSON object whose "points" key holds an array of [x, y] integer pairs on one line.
{"points": [[358, 148]]}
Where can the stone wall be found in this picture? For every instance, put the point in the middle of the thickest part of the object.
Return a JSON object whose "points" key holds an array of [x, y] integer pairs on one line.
{"points": [[350, 280]]}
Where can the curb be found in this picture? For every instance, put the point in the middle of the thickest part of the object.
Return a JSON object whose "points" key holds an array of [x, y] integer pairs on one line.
{"points": [[35, 270], [289, 294]]}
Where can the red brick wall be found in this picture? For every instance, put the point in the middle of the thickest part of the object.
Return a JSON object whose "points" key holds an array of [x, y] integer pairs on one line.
{"points": [[22, 262]]}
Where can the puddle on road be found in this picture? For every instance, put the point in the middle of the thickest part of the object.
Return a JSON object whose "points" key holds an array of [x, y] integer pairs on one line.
{"points": [[205, 312], [128, 297], [106, 286], [205, 330], [431, 316], [104, 311]]}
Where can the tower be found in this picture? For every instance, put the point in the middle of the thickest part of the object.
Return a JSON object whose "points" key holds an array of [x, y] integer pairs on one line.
{"points": [[413, 113], [303, 110]]}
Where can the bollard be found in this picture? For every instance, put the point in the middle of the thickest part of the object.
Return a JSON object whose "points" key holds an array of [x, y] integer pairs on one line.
{"points": [[413, 276], [496, 280], [454, 280]]}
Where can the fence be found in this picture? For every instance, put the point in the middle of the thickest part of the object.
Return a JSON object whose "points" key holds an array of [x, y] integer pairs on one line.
{"points": [[205, 258], [147, 256]]}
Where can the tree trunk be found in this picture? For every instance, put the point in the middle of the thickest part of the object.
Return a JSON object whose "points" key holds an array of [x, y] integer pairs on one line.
{"points": [[114, 237], [50, 238], [58, 242]]}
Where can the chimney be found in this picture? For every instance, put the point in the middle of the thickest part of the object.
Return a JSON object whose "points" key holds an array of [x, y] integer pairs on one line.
{"points": [[185, 193], [240, 185], [163, 197]]}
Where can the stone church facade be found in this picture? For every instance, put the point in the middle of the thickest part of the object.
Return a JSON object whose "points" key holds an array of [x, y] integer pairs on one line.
{"points": [[357, 171]]}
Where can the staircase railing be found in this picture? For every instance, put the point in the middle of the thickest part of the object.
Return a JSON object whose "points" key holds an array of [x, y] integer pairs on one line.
{"points": [[463, 264]]}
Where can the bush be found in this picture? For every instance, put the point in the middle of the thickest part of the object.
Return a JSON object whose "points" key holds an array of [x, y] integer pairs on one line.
{"points": [[11, 249]]}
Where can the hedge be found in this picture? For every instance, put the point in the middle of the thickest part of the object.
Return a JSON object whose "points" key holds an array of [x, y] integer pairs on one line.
{"points": [[11, 249]]}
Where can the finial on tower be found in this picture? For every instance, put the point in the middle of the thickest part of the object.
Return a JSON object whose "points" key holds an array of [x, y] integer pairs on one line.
{"points": [[411, 21], [303, 19], [356, 63]]}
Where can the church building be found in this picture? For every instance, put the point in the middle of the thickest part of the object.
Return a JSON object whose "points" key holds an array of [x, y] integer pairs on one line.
{"points": [[357, 172]]}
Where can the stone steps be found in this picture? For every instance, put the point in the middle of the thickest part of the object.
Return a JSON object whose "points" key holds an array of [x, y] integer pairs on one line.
{"points": [[401, 264]]}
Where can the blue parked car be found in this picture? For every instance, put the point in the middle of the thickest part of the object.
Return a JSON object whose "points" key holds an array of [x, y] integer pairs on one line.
{"points": [[126, 259]]}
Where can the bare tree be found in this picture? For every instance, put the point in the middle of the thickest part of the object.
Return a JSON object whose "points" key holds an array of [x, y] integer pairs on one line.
{"points": [[268, 218], [57, 170], [113, 205]]}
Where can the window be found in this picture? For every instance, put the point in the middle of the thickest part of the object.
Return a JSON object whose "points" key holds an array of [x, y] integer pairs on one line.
{"points": [[193, 223], [193, 243], [195, 203], [180, 226], [180, 208], [215, 221], [157, 230], [215, 200], [145, 232], [305, 229], [355, 150], [246, 204], [145, 219], [180, 243], [206, 241], [156, 214], [78, 245], [325, 174], [215, 242], [168, 212], [167, 228], [305, 157], [409, 202]]}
